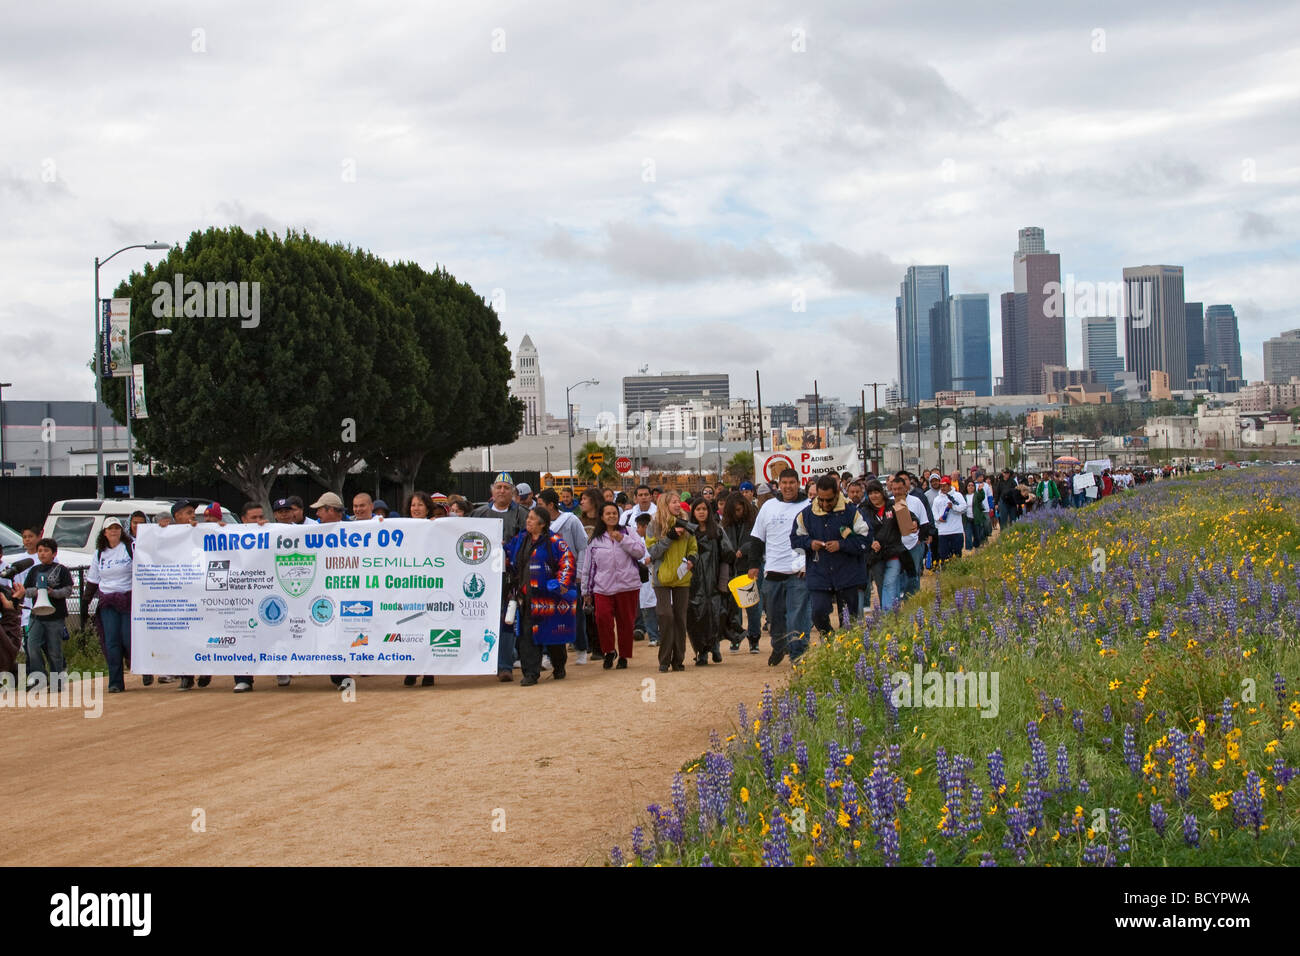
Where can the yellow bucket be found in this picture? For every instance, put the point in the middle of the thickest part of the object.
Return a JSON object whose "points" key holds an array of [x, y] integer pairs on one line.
{"points": [[744, 589]]}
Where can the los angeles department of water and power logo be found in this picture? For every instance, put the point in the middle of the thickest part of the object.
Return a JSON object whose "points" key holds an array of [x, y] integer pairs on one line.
{"points": [[295, 572], [473, 547]]}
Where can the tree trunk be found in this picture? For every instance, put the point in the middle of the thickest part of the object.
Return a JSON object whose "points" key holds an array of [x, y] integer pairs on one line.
{"points": [[254, 475]]}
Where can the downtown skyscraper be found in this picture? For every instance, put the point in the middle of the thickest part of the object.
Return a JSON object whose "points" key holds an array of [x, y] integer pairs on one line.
{"points": [[920, 312], [1033, 316], [1155, 324], [1101, 349], [971, 362], [1222, 339]]}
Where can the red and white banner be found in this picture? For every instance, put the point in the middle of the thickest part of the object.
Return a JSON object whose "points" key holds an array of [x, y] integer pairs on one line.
{"points": [[809, 464]]}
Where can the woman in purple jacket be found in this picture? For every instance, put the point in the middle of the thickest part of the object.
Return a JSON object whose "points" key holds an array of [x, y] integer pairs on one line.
{"points": [[612, 580]]}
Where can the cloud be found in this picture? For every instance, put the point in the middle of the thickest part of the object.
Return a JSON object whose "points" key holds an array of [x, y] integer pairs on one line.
{"points": [[1256, 225], [866, 271], [655, 254]]}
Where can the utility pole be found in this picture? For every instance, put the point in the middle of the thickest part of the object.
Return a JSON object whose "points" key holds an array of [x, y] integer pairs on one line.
{"points": [[862, 427], [817, 416], [899, 429], [758, 385], [875, 404]]}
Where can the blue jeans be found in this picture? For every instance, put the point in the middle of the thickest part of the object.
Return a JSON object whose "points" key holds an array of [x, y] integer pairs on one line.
{"points": [[968, 528], [912, 585], [580, 629], [1080, 498], [647, 619], [821, 601], [506, 645], [888, 576], [45, 646], [117, 643], [754, 621], [788, 614]]}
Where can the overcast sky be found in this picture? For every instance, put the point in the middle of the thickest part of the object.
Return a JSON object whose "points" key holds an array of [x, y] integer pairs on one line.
{"points": [[651, 183]]}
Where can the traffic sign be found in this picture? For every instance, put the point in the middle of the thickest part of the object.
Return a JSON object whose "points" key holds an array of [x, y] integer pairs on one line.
{"points": [[596, 458], [596, 469], [623, 466]]}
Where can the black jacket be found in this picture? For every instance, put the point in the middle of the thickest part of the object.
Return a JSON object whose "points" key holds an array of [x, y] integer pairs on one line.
{"points": [[58, 584]]}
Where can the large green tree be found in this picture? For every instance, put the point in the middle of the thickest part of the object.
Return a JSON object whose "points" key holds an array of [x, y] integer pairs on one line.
{"points": [[349, 360]]}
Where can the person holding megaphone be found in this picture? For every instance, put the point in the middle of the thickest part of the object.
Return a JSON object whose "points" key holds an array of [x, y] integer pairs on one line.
{"points": [[52, 585]]}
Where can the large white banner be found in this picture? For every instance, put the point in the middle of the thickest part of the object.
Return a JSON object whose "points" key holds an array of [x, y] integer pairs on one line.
{"points": [[401, 596], [810, 464]]}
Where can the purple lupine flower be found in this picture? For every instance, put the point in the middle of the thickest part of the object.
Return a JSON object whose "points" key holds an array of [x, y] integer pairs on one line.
{"points": [[810, 704], [1227, 715], [986, 859], [705, 861], [787, 741], [1182, 763], [1084, 787], [860, 668], [997, 773], [1130, 750], [1062, 769], [941, 767], [1253, 805], [765, 714], [801, 755], [1106, 714], [616, 857], [1279, 688], [1159, 818], [1078, 721], [766, 753], [744, 719], [1191, 832], [1282, 774], [1119, 831], [1038, 750], [841, 721], [1097, 855], [639, 848], [929, 859], [776, 849], [679, 796]]}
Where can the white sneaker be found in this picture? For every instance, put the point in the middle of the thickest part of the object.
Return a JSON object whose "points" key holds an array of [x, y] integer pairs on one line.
{"points": [[347, 684], [283, 680], [581, 658], [546, 662], [167, 679], [243, 687], [518, 664]]}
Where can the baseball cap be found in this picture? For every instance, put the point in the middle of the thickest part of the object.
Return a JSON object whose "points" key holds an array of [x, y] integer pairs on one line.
{"points": [[281, 504], [503, 477], [380, 505], [746, 486], [523, 488], [213, 511], [183, 503], [112, 522], [328, 500]]}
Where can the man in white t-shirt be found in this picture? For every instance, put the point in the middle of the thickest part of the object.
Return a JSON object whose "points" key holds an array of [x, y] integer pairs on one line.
{"points": [[785, 594], [948, 506], [643, 506]]}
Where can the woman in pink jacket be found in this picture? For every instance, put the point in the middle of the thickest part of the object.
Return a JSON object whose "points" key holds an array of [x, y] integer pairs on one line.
{"points": [[612, 580]]}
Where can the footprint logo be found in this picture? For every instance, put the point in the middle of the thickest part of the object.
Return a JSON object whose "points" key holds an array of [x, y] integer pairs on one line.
{"points": [[490, 640]]}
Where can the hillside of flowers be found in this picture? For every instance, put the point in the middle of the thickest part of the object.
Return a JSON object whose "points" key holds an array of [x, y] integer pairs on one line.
{"points": [[1147, 657]]}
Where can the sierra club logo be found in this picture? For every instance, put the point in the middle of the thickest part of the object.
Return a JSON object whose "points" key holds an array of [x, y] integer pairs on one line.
{"points": [[295, 572], [473, 547], [474, 586]]}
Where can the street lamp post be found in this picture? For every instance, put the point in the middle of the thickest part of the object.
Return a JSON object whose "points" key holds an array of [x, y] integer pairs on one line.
{"points": [[99, 370], [568, 412], [3, 386], [130, 414], [548, 457]]}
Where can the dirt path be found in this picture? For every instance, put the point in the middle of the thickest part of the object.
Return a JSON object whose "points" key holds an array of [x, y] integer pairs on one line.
{"points": [[404, 775]]}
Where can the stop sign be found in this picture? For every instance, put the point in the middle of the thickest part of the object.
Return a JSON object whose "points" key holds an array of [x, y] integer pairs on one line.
{"points": [[623, 465]]}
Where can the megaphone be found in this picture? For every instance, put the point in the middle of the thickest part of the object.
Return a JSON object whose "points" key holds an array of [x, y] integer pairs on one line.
{"points": [[42, 607]]}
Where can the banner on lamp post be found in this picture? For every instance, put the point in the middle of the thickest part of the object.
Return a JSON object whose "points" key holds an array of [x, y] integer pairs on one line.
{"points": [[138, 407], [119, 345]]}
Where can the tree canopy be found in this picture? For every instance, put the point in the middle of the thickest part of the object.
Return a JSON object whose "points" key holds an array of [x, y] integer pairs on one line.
{"points": [[344, 359]]}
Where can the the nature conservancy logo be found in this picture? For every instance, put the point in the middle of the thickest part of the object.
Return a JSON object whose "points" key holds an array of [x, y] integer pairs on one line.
{"points": [[295, 572], [473, 547], [474, 586]]}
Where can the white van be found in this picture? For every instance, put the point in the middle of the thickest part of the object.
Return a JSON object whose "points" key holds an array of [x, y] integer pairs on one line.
{"points": [[75, 523]]}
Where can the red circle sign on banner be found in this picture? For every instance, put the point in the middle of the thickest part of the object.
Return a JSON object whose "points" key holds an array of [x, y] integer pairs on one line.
{"points": [[623, 465]]}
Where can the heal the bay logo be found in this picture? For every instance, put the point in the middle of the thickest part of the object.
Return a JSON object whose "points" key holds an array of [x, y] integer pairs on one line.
{"points": [[295, 572]]}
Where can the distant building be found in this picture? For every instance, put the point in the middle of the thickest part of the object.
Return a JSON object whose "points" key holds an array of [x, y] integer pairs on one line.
{"points": [[530, 388], [823, 411], [1195, 314], [650, 393], [1282, 357], [1088, 393], [893, 396], [1101, 349], [1268, 396], [1213, 378], [1155, 329], [1057, 377], [1222, 339], [923, 288], [1037, 275], [1159, 385], [58, 438], [1015, 344], [782, 415], [972, 360]]}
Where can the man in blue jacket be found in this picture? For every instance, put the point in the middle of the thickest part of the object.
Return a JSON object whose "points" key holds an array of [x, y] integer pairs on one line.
{"points": [[834, 537]]}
